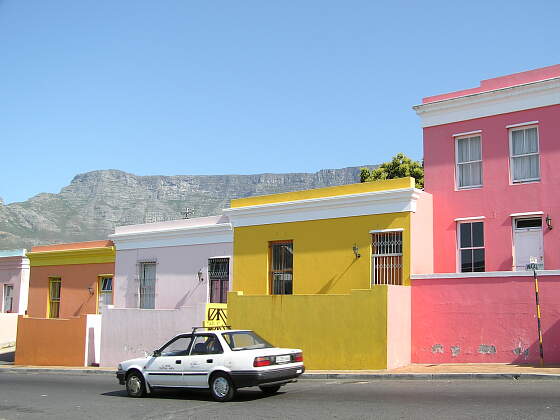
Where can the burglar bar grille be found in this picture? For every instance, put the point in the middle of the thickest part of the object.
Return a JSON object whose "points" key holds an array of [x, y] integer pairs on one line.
{"points": [[218, 272], [386, 259]]}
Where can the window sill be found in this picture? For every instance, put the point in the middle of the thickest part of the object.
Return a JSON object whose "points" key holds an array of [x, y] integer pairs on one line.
{"points": [[474, 187], [528, 181]]}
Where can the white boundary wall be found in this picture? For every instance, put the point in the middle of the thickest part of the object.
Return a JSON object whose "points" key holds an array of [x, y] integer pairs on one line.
{"points": [[128, 333], [8, 329]]}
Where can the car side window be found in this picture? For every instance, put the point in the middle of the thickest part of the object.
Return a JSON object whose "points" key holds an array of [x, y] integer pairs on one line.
{"points": [[177, 347], [206, 344]]}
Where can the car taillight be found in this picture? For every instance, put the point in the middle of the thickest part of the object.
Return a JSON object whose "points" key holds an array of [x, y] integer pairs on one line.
{"points": [[262, 361], [298, 357]]}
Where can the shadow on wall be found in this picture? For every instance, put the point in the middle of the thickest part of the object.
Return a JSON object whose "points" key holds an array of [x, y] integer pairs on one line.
{"points": [[551, 348], [91, 347], [82, 309], [182, 302], [335, 279]]}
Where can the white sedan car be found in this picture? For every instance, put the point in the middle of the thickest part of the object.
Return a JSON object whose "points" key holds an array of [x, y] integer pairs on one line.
{"points": [[221, 361]]}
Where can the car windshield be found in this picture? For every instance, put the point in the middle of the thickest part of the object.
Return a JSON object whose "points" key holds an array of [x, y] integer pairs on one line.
{"points": [[245, 340]]}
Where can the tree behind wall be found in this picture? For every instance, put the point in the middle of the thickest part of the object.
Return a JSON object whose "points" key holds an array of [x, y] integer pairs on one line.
{"points": [[400, 166]]}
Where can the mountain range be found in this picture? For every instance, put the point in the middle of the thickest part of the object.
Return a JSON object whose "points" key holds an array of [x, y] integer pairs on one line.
{"points": [[95, 202]]}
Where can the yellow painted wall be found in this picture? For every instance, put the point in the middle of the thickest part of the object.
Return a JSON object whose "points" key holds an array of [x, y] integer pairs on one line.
{"points": [[323, 258], [334, 331], [389, 184], [72, 256]]}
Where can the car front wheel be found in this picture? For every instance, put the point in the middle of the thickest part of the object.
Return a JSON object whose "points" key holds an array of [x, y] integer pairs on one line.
{"points": [[135, 385], [221, 388]]}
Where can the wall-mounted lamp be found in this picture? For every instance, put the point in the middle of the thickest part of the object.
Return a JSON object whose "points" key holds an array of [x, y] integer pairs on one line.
{"points": [[199, 274], [356, 251], [90, 290], [548, 221]]}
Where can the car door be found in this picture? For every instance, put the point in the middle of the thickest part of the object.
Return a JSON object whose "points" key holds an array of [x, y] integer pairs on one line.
{"points": [[206, 352], [166, 368]]}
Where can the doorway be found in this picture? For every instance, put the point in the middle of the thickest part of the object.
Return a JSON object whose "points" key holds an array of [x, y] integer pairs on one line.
{"points": [[527, 242]]}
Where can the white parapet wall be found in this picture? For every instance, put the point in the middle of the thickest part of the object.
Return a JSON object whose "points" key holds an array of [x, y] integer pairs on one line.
{"points": [[127, 333], [8, 329]]}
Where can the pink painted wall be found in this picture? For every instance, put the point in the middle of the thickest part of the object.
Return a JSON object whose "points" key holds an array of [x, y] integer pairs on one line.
{"points": [[497, 199], [484, 320], [421, 227], [398, 326], [14, 270], [177, 282]]}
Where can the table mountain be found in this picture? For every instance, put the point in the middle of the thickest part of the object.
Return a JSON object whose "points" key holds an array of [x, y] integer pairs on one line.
{"points": [[95, 202]]}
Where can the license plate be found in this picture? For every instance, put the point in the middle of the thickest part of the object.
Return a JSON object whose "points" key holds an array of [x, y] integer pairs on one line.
{"points": [[283, 359]]}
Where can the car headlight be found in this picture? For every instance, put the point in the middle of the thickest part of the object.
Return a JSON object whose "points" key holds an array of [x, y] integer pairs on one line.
{"points": [[119, 367]]}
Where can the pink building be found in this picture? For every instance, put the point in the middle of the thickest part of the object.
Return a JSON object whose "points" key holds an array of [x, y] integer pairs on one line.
{"points": [[490, 154]]}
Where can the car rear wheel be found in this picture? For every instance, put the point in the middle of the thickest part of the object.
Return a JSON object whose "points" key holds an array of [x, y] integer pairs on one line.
{"points": [[221, 388], [135, 385], [270, 390]]}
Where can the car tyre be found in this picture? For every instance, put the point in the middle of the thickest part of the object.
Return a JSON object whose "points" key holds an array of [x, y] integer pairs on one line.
{"points": [[221, 387], [135, 385], [270, 390]]}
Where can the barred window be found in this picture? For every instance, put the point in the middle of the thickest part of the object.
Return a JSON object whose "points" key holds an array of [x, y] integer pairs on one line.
{"points": [[281, 267], [54, 297], [218, 274], [386, 262], [8, 298], [147, 285]]}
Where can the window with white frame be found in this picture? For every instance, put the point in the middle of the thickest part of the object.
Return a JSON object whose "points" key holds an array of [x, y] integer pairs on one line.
{"points": [[469, 162], [524, 151], [471, 247], [147, 290], [105, 293], [8, 298]]}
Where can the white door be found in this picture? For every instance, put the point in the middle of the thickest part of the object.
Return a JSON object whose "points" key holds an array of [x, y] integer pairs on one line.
{"points": [[206, 353], [8, 298], [167, 368], [527, 242]]}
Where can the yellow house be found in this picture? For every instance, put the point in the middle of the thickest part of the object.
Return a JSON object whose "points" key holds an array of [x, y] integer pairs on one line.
{"points": [[327, 270]]}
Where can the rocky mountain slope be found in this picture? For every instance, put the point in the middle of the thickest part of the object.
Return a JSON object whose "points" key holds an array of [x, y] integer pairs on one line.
{"points": [[95, 202]]}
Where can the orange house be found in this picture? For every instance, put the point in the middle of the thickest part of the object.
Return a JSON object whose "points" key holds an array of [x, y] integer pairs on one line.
{"points": [[69, 286]]}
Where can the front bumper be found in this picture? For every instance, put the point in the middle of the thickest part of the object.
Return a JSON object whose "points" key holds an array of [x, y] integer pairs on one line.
{"points": [[121, 374], [242, 378]]}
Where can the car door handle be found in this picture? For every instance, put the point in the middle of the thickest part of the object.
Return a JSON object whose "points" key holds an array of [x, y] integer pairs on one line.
{"points": [[177, 362], [209, 360]]}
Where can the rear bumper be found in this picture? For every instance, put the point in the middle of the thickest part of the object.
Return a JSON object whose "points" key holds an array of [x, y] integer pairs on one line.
{"points": [[242, 379]]}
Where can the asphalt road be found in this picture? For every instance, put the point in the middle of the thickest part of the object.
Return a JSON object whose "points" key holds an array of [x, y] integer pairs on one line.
{"points": [[89, 396]]}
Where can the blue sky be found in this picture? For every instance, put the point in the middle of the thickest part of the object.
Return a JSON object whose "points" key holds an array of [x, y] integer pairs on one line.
{"points": [[218, 87]]}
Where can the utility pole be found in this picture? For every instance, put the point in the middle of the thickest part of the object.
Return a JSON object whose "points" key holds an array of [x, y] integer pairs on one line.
{"points": [[533, 266]]}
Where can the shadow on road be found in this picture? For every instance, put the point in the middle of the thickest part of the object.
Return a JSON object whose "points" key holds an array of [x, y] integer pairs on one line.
{"points": [[188, 394], [8, 357]]}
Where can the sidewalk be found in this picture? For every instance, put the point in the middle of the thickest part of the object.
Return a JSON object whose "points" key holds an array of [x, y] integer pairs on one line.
{"points": [[411, 372]]}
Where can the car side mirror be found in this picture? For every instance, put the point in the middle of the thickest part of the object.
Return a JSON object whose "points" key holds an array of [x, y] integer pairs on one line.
{"points": [[156, 353]]}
